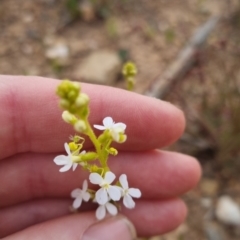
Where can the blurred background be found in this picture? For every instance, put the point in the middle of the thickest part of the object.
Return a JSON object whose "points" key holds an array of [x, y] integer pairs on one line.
{"points": [[187, 52]]}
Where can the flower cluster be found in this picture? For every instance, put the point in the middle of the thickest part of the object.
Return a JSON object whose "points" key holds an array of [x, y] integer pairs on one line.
{"points": [[76, 113], [107, 195]]}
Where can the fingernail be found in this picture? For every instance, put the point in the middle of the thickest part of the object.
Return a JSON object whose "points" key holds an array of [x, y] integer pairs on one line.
{"points": [[117, 228]]}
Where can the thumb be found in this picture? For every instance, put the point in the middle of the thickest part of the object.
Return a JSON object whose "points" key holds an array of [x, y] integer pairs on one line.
{"points": [[82, 226]]}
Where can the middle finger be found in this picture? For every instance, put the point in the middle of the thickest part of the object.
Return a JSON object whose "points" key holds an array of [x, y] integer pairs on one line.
{"points": [[158, 174]]}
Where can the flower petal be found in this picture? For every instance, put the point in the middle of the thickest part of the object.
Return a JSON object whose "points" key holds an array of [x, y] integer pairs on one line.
{"points": [[120, 127], [76, 192], [86, 196], [85, 186], [108, 122], [101, 212], [99, 127], [109, 177], [101, 196], [77, 202], [67, 148], [61, 160], [114, 193], [135, 192], [111, 209], [128, 201], [95, 178], [74, 166], [115, 135], [123, 181], [65, 168]]}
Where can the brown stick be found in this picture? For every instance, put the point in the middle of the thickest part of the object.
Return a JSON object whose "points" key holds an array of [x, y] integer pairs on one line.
{"points": [[160, 87]]}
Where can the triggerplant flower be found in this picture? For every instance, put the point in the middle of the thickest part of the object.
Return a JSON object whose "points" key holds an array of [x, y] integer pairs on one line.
{"points": [[115, 128], [106, 191], [80, 194], [128, 193], [67, 161]]}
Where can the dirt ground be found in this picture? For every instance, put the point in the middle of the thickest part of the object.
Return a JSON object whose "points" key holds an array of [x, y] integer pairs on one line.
{"points": [[151, 33]]}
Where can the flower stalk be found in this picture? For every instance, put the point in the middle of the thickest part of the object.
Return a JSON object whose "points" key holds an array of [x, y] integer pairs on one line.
{"points": [[76, 113]]}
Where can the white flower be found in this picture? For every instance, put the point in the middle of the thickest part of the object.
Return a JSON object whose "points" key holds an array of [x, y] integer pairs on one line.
{"points": [[67, 161], [114, 128], [107, 207], [128, 193], [106, 190], [80, 194]]}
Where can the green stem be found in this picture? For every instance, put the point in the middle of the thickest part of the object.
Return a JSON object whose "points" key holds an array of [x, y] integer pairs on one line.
{"points": [[105, 153], [96, 144]]}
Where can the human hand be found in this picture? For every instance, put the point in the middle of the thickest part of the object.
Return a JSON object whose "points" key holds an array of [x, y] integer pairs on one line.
{"points": [[34, 196]]}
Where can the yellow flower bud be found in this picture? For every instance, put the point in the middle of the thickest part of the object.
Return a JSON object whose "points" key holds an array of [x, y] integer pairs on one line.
{"points": [[68, 117], [80, 126], [113, 151], [122, 138], [73, 146], [129, 70], [68, 90], [96, 169], [82, 100]]}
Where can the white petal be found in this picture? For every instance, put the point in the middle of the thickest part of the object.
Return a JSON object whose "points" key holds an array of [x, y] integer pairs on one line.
{"points": [[128, 201], [109, 177], [61, 160], [95, 178], [108, 122], [76, 192], [101, 212], [111, 209], [99, 127], [123, 181], [74, 166], [120, 127], [134, 192], [85, 186], [67, 148], [114, 193], [86, 196], [115, 136], [77, 202], [65, 168], [101, 196]]}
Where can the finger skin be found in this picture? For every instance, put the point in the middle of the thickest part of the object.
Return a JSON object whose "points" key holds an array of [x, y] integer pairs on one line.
{"points": [[157, 217], [158, 174], [149, 217], [30, 118], [20, 216]]}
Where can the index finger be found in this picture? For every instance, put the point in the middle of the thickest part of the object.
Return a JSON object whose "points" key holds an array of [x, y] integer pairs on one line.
{"points": [[30, 119]]}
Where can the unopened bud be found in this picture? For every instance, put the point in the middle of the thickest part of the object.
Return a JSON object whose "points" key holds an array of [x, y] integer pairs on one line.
{"points": [[113, 151], [122, 138], [68, 117], [73, 146], [129, 70], [68, 90], [80, 126], [82, 100]]}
